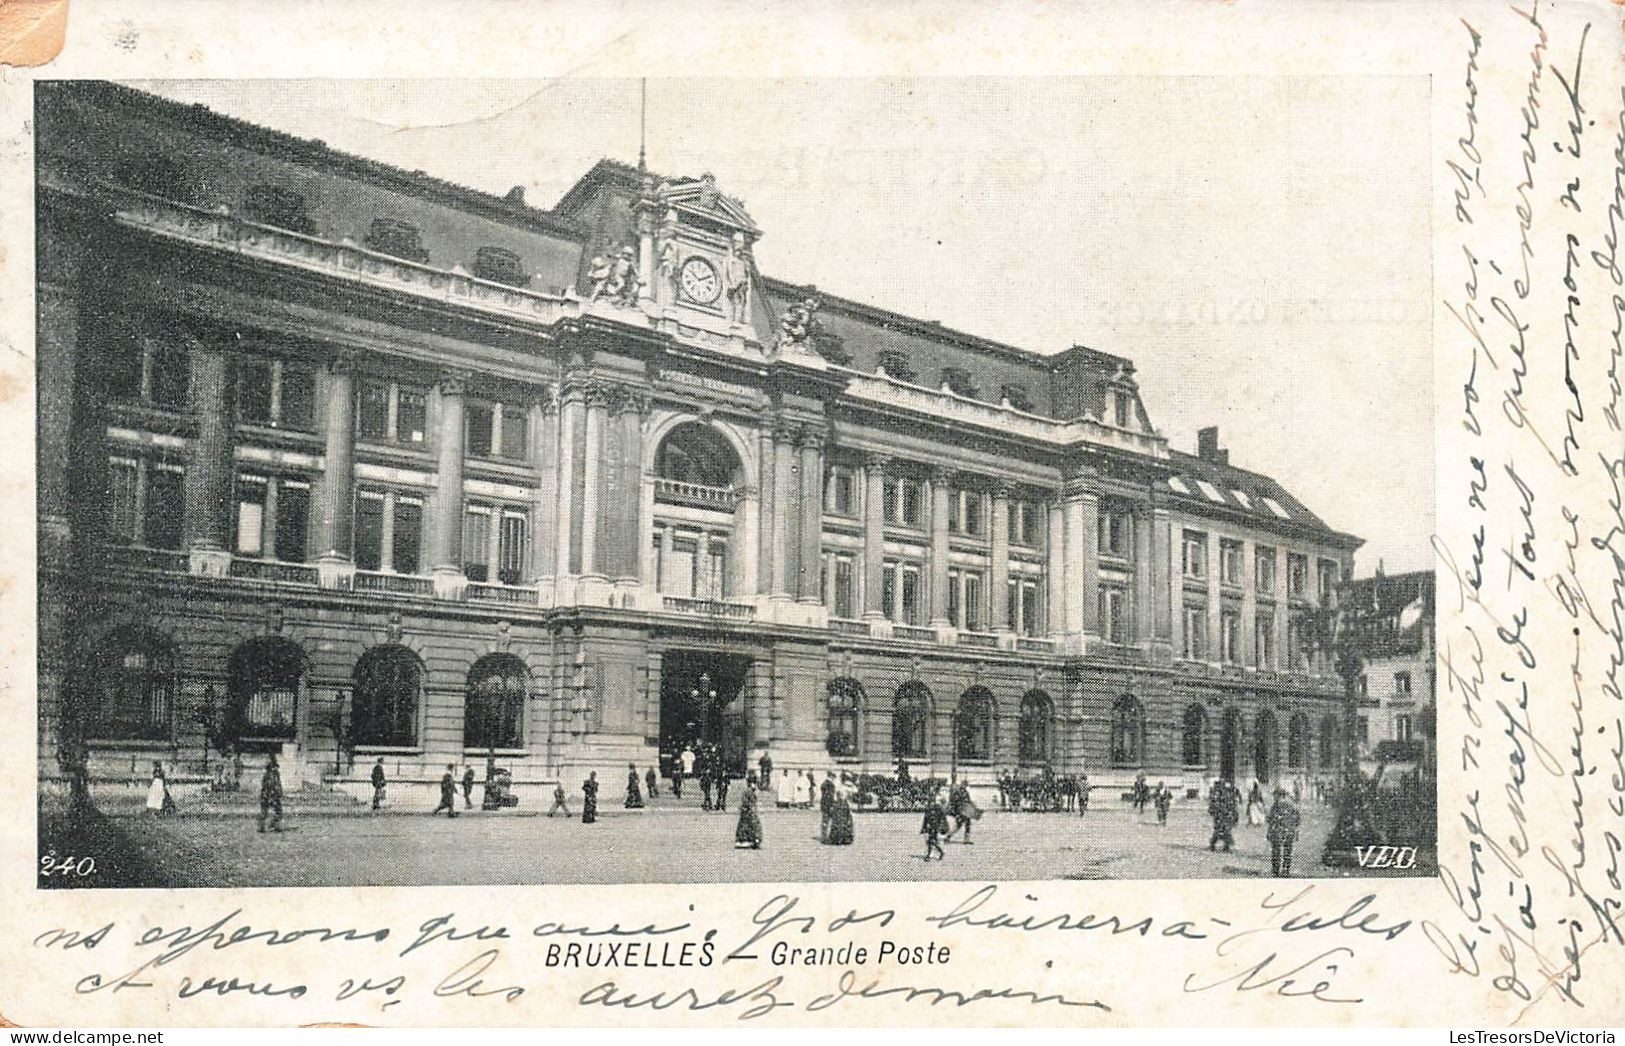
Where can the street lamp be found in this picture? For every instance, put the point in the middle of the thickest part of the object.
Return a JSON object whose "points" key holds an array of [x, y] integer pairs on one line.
{"points": [[1346, 633]]}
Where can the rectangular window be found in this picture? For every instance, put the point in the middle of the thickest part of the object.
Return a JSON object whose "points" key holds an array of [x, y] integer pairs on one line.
{"points": [[972, 512], [1195, 632], [1230, 635], [479, 421], [956, 510], [165, 506], [1329, 573], [1030, 609], [511, 549], [1116, 533], [369, 531], [171, 375], [1264, 639], [1012, 606], [1402, 684], [1297, 575], [515, 432], [297, 407], [909, 607], [124, 478], [1297, 656], [1120, 404], [843, 587], [1402, 728], [954, 594], [888, 590], [477, 543], [411, 416], [715, 568], [1113, 607], [888, 501], [251, 500], [679, 574], [912, 502], [1230, 562], [1264, 571], [1195, 558], [973, 603], [292, 521], [254, 383], [372, 413], [840, 492], [407, 546]]}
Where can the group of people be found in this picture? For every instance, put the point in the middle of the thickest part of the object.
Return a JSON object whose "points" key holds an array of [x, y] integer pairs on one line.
{"points": [[702, 761], [1159, 798], [1280, 821], [958, 806], [796, 790]]}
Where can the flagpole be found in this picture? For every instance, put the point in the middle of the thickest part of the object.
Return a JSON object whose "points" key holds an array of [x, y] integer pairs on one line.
{"points": [[643, 121]]}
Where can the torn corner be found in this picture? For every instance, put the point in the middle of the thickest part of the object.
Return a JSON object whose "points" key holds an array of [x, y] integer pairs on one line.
{"points": [[32, 32]]}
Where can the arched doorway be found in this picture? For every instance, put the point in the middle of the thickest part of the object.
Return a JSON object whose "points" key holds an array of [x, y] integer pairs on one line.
{"points": [[494, 704], [974, 726], [845, 715], [911, 722], [388, 695], [1297, 742], [1230, 744], [1193, 740], [1128, 732], [266, 689], [701, 704], [1037, 728]]}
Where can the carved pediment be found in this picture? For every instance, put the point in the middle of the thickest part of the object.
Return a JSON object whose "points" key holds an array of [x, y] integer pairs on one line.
{"points": [[701, 196]]}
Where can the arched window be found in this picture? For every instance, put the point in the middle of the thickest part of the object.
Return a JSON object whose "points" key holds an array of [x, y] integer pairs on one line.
{"points": [[132, 677], [1193, 740], [267, 676], [388, 689], [845, 701], [1128, 732], [1264, 746], [1037, 727], [1297, 741], [974, 725], [1328, 742], [494, 708], [910, 715], [696, 454]]}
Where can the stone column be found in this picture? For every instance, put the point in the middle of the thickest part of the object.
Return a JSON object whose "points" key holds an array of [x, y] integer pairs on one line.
{"points": [[939, 482], [1214, 601], [60, 254], [1143, 567], [1089, 554], [812, 515], [874, 535], [766, 511], [209, 467], [626, 528], [592, 479], [335, 521], [999, 556], [1164, 578], [745, 554], [1283, 609], [1056, 595], [449, 582], [571, 408], [786, 508], [1078, 601], [545, 508]]}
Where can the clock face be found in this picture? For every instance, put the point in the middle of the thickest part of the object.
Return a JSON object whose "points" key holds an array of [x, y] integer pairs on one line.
{"points": [[700, 281]]}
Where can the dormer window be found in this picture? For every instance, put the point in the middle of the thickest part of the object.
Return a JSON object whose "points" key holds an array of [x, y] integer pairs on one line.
{"points": [[397, 239], [1015, 396], [1122, 408], [275, 205], [500, 265], [957, 380], [896, 365]]}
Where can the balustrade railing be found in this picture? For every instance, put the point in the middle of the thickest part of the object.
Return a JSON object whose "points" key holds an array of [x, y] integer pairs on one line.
{"points": [[1035, 644], [849, 626], [695, 494], [984, 640], [515, 595], [273, 571], [915, 633], [707, 607], [399, 584]]}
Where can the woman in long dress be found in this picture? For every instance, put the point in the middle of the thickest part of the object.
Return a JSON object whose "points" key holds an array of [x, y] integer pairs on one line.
{"points": [[789, 789], [159, 801], [840, 816], [634, 795], [748, 834], [589, 798], [1255, 806]]}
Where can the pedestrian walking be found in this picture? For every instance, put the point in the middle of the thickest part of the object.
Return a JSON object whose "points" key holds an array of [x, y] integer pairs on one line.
{"points": [[677, 774], [702, 768], [809, 790], [1141, 794], [934, 827], [159, 802], [748, 832], [1255, 805], [558, 800], [826, 806], [468, 787], [379, 781], [1083, 794], [721, 783], [764, 770], [651, 780], [634, 796], [841, 829], [1224, 807], [1282, 831], [1164, 800], [589, 799], [271, 796], [963, 809], [448, 791]]}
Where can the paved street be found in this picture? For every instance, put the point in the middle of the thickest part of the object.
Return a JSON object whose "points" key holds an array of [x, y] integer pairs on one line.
{"points": [[683, 844]]}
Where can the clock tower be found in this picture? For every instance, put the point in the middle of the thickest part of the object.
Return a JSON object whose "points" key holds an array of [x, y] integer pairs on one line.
{"points": [[698, 243]]}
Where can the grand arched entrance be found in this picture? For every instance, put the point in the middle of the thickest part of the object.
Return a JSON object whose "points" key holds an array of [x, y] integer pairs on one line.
{"points": [[1229, 744], [702, 703]]}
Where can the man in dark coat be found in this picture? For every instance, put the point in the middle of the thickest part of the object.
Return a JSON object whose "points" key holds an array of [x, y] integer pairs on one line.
{"points": [[448, 791], [378, 783], [764, 771], [468, 787], [964, 811], [702, 770], [721, 772], [934, 827], [1281, 828], [1224, 806], [677, 774], [589, 799], [271, 796], [826, 806]]}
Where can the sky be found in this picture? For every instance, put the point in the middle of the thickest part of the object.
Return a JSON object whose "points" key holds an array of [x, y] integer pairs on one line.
{"points": [[1258, 246]]}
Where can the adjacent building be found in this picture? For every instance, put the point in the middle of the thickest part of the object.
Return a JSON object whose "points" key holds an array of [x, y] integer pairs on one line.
{"points": [[344, 461], [1396, 709]]}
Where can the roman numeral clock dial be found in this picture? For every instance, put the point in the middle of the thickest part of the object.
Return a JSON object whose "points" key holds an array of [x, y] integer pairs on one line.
{"points": [[700, 281]]}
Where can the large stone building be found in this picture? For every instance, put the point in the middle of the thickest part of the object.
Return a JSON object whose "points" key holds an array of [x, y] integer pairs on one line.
{"points": [[343, 461], [1396, 710]]}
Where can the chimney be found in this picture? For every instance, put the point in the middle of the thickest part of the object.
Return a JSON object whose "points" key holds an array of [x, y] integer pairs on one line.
{"points": [[1207, 444]]}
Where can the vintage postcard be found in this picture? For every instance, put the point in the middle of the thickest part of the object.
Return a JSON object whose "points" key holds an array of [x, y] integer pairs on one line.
{"points": [[718, 516]]}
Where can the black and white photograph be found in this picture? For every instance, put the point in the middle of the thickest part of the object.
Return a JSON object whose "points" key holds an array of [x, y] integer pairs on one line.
{"points": [[618, 481]]}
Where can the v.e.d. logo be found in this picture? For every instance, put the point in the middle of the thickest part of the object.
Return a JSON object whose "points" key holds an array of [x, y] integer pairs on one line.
{"points": [[1386, 856]]}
